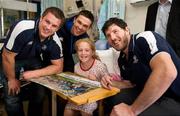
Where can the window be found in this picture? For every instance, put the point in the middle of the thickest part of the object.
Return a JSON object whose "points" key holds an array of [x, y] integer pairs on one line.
{"points": [[14, 10]]}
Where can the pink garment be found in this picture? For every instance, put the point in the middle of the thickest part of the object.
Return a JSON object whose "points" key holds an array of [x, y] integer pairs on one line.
{"points": [[116, 77], [99, 70]]}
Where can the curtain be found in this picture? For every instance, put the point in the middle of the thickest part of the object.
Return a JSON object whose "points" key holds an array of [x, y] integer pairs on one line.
{"points": [[110, 8], [48, 3]]}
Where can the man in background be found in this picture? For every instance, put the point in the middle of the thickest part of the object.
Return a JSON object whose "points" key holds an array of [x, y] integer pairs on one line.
{"points": [[163, 17]]}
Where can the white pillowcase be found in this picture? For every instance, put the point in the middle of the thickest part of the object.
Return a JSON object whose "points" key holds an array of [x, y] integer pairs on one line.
{"points": [[109, 57]]}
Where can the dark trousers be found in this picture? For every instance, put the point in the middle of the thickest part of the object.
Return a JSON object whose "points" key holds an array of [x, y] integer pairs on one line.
{"points": [[165, 106], [34, 93]]}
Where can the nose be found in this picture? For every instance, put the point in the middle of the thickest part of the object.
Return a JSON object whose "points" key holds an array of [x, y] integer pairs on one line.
{"points": [[48, 26], [83, 52], [80, 26], [112, 36]]}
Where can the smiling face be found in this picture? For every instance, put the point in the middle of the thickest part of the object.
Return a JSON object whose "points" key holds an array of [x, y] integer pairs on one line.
{"points": [[84, 52], [81, 25], [48, 25], [118, 37]]}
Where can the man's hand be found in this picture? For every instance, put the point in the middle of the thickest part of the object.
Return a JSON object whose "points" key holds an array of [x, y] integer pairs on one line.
{"points": [[122, 84], [29, 74], [14, 87], [122, 110], [106, 81]]}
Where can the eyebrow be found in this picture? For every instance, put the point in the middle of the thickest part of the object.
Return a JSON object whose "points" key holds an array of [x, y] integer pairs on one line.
{"points": [[85, 25]]}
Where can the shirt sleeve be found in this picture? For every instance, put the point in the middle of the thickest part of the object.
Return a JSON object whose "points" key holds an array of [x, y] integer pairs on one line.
{"points": [[149, 44], [16, 38]]}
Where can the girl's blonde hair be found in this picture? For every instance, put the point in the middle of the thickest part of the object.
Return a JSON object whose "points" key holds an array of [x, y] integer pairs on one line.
{"points": [[91, 44]]}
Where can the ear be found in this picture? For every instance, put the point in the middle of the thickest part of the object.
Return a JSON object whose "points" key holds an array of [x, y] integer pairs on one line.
{"points": [[127, 29], [74, 20]]}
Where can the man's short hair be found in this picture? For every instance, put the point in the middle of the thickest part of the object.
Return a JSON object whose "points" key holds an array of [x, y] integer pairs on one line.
{"points": [[119, 22], [86, 14], [58, 13]]}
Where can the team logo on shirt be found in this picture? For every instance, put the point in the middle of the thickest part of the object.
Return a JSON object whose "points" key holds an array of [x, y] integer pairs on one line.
{"points": [[135, 59], [30, 43], [123, 67], [44, 47]]}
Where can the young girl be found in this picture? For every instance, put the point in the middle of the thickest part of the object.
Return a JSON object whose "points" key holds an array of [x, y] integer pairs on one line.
{"points": [[90, 67]]}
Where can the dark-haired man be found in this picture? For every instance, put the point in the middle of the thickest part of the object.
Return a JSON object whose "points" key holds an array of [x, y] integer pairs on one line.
{"points": [[148, 62], [74, 28]]}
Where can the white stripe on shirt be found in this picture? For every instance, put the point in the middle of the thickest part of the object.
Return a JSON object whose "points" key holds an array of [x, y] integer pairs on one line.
{"points": [[57, 40], [20, 27], [149, 37]]}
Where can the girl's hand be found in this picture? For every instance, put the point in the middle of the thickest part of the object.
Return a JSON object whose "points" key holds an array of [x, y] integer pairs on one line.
{"points": [[92, 77]]}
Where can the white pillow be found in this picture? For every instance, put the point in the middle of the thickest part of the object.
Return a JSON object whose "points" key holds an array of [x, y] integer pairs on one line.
{"points": [[109, 57], [115, 61]]}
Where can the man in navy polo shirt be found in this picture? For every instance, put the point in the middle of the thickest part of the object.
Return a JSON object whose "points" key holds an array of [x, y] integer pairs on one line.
{"points": [[149, 63], [75, 28], [33, 49]]}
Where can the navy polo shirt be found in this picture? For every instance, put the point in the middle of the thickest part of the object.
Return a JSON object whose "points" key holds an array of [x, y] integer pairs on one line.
{"points": [[23, 39], [142, 48], [68, 41]]}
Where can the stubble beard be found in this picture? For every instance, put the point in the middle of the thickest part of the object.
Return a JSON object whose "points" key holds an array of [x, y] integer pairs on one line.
{"points": [[125, 44]]}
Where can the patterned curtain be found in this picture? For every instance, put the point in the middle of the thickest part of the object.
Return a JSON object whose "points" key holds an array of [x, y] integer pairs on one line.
{"points": [[110, 8]]}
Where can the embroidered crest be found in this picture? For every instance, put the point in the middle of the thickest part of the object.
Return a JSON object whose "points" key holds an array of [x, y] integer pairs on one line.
{"points": [[135, 59]]}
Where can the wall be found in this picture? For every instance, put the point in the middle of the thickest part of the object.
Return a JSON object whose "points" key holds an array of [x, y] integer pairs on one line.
{"points": [[70, 7], [135, 14]]}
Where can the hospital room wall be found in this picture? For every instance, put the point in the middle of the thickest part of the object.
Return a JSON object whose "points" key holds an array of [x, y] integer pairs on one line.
{"points": [[135, 14]]}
